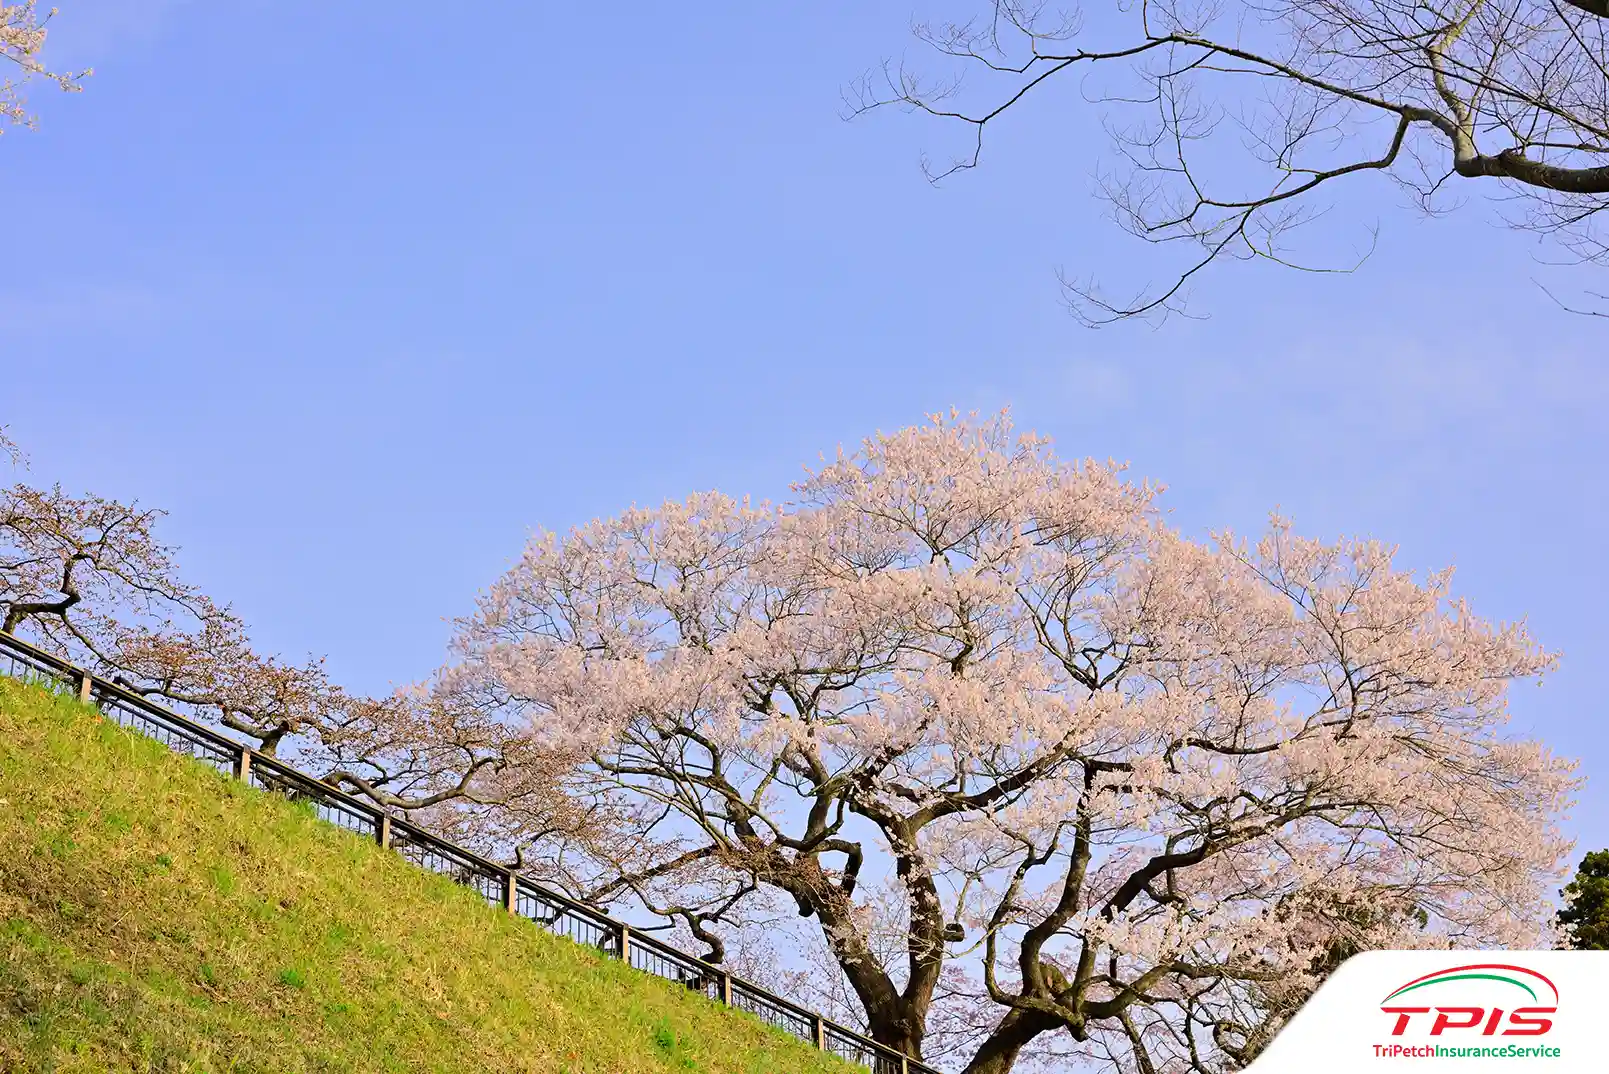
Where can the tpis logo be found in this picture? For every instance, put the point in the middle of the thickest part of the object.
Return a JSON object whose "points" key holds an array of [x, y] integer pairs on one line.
{"points": [[1487, 999]]}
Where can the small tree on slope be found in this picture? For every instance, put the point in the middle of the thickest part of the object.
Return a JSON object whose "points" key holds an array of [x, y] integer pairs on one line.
{"points": [[1128, 790], [86, 578]]}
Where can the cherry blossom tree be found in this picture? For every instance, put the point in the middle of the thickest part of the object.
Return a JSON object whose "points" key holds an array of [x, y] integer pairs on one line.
{"points": [[1042, 773], [22, 39], [73, 569], [88, 579]]}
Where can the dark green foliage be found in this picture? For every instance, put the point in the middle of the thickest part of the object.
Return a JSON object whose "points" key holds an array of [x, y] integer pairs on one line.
{"points": [[1585, 917]]}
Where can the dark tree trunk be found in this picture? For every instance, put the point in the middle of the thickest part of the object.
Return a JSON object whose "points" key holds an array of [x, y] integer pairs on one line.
{"points": [[899, 1026], [999, 1053]]}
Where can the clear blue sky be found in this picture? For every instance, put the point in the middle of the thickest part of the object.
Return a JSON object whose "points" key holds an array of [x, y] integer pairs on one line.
{"points": [[362, 292]]}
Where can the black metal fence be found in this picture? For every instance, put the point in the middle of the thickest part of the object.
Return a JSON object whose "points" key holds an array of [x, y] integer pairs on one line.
{"points": [[499, 886]]}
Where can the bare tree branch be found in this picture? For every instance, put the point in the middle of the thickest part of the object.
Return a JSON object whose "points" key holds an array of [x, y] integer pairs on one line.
{"points": [[1515, 91]]}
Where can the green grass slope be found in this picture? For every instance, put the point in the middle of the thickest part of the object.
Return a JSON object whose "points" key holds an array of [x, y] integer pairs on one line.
{"points": [[156, 916]]}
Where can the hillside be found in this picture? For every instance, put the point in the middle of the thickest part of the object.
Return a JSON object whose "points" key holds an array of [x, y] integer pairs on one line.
{"points": [[160, 917]]}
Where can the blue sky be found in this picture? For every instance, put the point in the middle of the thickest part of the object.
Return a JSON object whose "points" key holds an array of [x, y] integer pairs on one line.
{"points": [[361, 293]]}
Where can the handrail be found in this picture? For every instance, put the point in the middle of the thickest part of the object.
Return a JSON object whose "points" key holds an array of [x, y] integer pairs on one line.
{"points": [[498, 884]]}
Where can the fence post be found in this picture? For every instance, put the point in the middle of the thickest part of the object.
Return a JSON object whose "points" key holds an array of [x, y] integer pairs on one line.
{"points": [[511, 891], [85, 682], [820, 1032], [726, 988], [382, 834], [243, 765], [904, 1064], [625, 944]]}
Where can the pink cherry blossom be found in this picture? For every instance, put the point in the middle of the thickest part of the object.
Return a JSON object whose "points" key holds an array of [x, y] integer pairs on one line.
{"points": [[1132, 792]]}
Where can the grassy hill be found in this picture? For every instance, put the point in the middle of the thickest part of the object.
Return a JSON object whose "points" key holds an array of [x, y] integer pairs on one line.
{"points": [[156, 916]]}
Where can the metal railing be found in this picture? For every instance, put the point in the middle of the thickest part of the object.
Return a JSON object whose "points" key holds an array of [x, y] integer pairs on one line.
{"points": [[499, 886]]}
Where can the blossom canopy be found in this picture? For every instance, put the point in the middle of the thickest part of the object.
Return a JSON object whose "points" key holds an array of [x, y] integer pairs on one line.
{"points": [[1130, 789]]}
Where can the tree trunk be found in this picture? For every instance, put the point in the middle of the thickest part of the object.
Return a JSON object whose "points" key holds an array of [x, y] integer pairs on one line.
{"points": [[898, 1026], [999, 1053]]}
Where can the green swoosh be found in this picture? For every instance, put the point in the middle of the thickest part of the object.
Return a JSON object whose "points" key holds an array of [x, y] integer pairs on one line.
{"points": [[1464, 977]]}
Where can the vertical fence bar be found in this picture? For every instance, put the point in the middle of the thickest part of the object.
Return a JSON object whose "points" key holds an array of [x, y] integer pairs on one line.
{"points": [[904, 1064]]}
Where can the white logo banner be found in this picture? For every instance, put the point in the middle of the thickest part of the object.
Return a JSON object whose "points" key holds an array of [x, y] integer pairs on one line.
{"points": [[1451, 1011]]}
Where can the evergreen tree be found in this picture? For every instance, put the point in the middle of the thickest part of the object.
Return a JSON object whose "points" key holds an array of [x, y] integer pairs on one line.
{"points": [[1585, 916]]}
